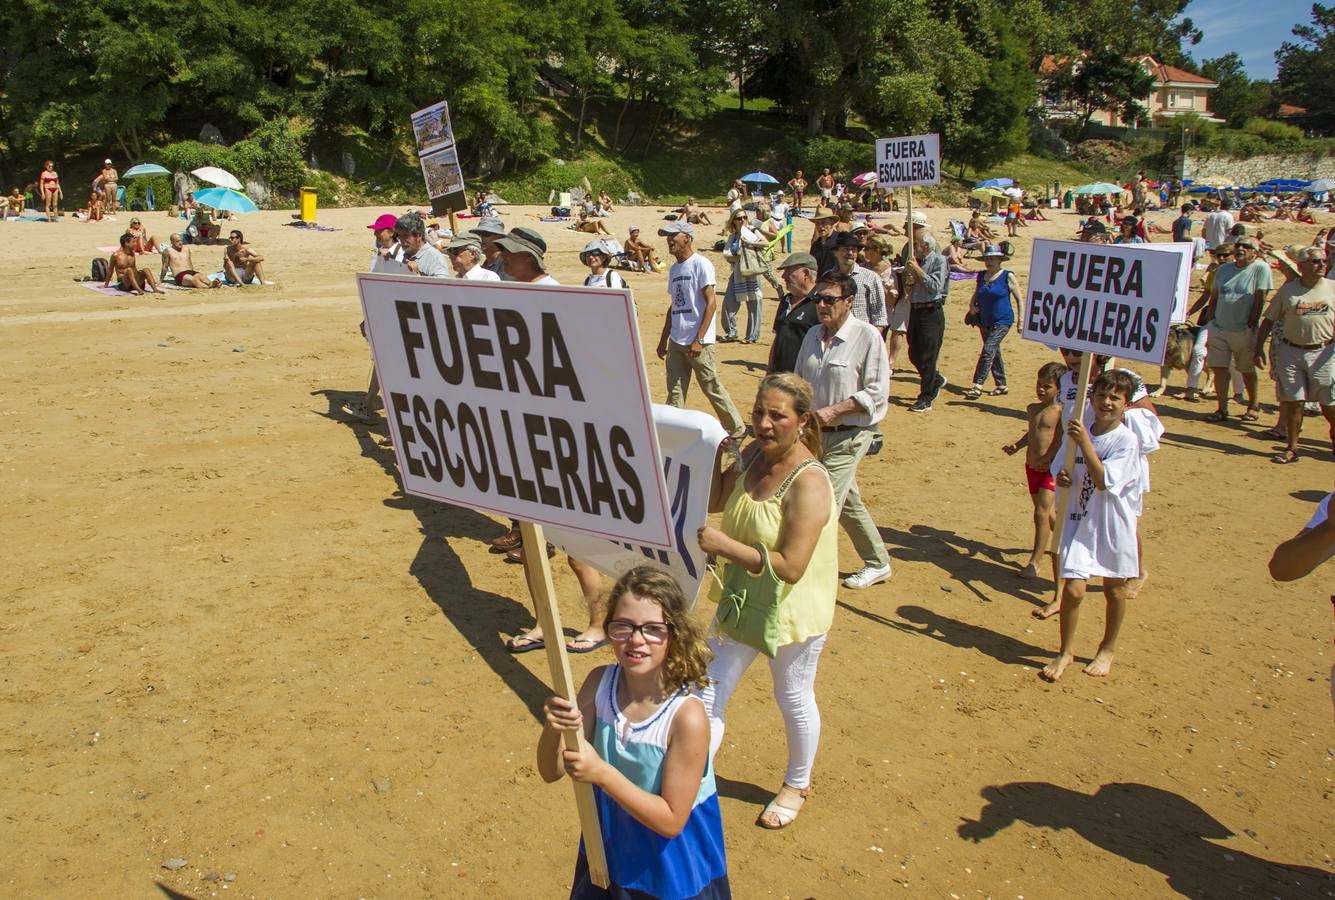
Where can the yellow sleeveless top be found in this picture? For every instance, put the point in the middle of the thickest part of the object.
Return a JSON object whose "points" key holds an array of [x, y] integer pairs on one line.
{"points": [[806, 608]]}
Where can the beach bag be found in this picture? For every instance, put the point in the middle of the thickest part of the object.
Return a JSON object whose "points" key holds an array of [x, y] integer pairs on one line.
{"points": [[751, 261], [100, 270], [748, 606]]}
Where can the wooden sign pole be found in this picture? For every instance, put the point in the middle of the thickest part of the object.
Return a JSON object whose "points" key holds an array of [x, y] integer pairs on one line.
{"points": [[538, 572], [1068, 461], [454, 225]]}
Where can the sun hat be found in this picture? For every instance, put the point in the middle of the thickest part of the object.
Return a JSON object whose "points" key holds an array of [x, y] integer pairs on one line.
{"points": [[106, 162], [632, 229], [465, 242], [678, 227], [385, 220], [993, 250], [524, 240], [846, 239], [594, 247], [860, 226], [823, 213], [919, 219], [798, 260], [489, 227]]}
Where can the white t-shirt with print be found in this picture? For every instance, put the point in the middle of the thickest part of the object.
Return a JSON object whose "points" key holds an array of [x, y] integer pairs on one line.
{"points": [[1099, 538], [686, 283]]}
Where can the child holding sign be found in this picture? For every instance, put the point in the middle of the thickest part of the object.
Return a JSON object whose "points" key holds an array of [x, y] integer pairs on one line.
{"points": [[649, 760], [1100, 534]]}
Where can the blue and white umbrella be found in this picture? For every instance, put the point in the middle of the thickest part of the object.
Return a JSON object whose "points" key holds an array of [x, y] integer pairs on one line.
{"points": [[144, 170], [225, 198], [995, 183], [758, 178], [1321, 186]]}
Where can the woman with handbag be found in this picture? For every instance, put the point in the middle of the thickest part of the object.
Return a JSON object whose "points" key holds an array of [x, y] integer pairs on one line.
{"points": [[743, 247], [777, 555], [990, 311]]}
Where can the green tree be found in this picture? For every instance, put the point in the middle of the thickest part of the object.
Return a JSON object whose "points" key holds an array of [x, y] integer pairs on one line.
{"points": [[1105, 80], [1307, 67], [1237, 98], [996, 128]]}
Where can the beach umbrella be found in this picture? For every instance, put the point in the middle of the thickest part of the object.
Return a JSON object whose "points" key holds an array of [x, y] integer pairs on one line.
{"points": [[864, 179], [1099, 187], [759, 178], [986, 193], [225, 198], [1321, 186], [215, 175], [995, 183], [144, 170]]}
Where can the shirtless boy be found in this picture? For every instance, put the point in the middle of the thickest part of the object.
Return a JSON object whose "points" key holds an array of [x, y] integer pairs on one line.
{"points": [[241, 263], [639, 251], [176, 258], [15, 203], [1040, 441], [121, 266]]}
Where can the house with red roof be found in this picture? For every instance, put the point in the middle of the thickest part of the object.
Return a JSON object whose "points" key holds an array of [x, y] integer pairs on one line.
{"points": [[1176, 92]]}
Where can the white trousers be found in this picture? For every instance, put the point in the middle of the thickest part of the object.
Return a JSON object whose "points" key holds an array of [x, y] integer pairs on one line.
{"points": [[793, 670]]}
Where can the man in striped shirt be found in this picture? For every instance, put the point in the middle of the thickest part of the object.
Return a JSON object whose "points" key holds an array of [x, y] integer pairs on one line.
{"points": [[869, 301]]}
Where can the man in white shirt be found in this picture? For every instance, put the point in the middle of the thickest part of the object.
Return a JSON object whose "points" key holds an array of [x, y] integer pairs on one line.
{"points": [[465, 254], [523, 250], [687, 341], [1217, 225], [419, 256], [844, 360]]}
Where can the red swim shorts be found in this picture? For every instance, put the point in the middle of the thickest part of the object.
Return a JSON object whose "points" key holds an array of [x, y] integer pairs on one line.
{"points": [[1039, 479]]}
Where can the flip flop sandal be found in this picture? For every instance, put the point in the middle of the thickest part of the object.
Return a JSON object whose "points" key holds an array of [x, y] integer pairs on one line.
{"points": [[784, 815], [1217, 417], [1250, 415], [1273, 434], [529, 645], [594, 645], [1288, 456]]}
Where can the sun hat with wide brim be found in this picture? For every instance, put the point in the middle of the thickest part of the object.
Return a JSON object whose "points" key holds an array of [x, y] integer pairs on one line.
{"points": [[524, 240], [465, 242], [595, 247], [823, 213], [994, 251]]}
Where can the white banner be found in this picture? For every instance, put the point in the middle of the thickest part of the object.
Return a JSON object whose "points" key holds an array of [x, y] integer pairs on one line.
{"points": [[905, 161], [1183, 277], [689, 441], [525, 400], [1115, 299]]}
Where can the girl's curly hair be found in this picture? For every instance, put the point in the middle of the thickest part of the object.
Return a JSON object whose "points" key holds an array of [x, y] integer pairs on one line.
{"points": [[688, 655]]}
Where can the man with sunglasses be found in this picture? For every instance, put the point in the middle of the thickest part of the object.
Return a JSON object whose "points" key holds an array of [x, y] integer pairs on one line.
{"points": [[465, 253], [844, 360]]}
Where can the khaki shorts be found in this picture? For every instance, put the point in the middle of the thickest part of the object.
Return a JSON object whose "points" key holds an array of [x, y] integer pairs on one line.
{"points": [[1225, 347], [1303, 376]]}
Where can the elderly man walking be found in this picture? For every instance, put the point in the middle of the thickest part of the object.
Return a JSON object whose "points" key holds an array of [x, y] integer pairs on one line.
{"points": [[465, 253], [687, 341], [797, 311], [928, 277], [869, 301], [1237, 296], [844, 360], [1302, 315]]}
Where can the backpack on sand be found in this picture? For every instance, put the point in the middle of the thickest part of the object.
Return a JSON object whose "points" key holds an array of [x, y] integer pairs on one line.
{"points": [[100, 269]]}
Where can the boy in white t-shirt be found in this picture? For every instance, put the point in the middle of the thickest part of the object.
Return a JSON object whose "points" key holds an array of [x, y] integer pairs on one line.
{"points": [[1099, 539]]}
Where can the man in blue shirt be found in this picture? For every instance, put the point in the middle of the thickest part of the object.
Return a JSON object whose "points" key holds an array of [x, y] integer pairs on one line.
{"points": [[1182, 226]]}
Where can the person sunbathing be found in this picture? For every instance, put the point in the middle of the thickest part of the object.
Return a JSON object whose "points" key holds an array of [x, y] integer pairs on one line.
{"points": [[1035, 214], [15, 203], [143, 241], [177, 260], [95, 209], [955, 258], [121, 266], [241, 264], [979, 229], [591, 225], [693, 213]]}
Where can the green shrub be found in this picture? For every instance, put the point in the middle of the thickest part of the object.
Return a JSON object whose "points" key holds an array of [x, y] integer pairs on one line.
{"points": [[1273, 132], [839, 156]]}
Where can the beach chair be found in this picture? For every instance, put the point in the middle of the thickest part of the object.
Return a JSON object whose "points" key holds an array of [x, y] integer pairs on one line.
{"points": [[960, 230]]}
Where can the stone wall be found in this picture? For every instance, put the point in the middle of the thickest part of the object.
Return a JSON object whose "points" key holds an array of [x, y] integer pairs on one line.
{"points": [[1252, 170]]}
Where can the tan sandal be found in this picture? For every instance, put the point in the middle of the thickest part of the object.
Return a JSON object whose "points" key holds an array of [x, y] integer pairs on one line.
{"points": [[776, 816]]}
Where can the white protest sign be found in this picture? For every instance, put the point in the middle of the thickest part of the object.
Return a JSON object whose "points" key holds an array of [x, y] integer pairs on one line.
{"points": [[1183, 276], [689, 442], [525, 400], [907, 161], [1115, 299]]}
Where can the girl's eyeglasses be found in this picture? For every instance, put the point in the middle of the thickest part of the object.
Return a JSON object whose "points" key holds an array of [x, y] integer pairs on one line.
{"points": [[652, 632]]}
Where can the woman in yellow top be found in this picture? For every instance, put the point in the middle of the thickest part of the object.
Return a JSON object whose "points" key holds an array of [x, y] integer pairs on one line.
{"points": [[777, 551]]}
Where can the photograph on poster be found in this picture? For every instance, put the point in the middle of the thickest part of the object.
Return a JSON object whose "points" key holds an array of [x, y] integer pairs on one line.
{"points": [[431, 128], [442, 173]]}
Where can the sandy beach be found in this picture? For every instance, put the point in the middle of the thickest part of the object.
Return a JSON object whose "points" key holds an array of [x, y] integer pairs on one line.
{"points": [[230, 642]]}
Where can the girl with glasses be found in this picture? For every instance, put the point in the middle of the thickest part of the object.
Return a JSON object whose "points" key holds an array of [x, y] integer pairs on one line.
{"points": [[648, 755]]}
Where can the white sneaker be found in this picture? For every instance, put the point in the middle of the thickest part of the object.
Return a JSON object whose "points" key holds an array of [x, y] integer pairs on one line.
{"points": [[868, 576]]}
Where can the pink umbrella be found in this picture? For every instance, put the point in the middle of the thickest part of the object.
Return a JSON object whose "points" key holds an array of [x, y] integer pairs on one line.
{"points": [[865, 179]]}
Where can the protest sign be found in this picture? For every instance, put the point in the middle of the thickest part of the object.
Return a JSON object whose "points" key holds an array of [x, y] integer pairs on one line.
{"points": [[1180, 298], [1115, 299], [439, 158], [689, 442], [529, 401], [908, 161]]}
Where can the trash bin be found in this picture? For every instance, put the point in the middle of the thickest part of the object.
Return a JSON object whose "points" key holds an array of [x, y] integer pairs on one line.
{"points": [[308, 195]]}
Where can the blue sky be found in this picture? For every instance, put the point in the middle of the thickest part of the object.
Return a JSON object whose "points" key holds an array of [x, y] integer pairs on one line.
{"points": [[1253, 30]]}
